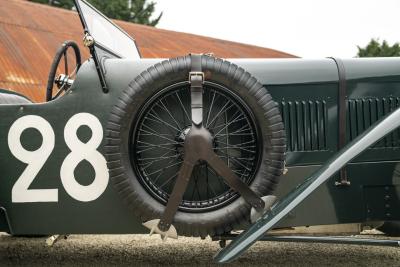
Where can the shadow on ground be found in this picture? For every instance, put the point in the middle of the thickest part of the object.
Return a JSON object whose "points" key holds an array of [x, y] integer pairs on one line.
{"points": [[141, 250]]}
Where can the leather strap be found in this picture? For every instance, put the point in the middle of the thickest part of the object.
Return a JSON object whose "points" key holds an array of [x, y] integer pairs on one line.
{"points": [[196, 79], [342, 91]]}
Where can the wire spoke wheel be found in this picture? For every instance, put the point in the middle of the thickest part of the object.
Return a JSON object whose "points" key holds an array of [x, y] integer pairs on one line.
{"points": [[158, 138]]}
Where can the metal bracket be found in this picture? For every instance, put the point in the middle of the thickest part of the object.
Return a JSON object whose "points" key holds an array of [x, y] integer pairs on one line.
{"points": [[99, 69], [51, 240], [4, 211]]}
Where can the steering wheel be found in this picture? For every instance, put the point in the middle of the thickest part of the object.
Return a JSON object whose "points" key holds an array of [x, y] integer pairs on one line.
{"points": [[62, 79]]}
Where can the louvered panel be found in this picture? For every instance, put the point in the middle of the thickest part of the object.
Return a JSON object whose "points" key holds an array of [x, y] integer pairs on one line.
{"points": [[362, 113], [305, 124]]}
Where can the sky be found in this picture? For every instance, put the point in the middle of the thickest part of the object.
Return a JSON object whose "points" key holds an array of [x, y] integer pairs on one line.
{"points": [[306, 28]]}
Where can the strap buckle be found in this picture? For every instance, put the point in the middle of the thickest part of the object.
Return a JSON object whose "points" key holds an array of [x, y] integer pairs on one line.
{"points": [[194, 74]]}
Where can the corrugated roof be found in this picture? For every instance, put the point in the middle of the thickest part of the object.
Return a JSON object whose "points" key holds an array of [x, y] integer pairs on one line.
{"points": [[30, 34]]}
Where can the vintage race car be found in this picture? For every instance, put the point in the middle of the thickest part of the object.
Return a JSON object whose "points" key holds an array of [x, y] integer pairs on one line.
{"points": [[200, 146]]}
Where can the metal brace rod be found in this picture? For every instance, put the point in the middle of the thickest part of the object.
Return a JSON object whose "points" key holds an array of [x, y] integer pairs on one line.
{"points": [[287, 204], [322, 239]]}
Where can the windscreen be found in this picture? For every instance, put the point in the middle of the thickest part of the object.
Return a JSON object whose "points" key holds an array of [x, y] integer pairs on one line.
{"points": [[106, 34]]}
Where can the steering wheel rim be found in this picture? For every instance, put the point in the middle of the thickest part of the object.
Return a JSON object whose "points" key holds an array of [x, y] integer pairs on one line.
{"points": [[62, 52]]}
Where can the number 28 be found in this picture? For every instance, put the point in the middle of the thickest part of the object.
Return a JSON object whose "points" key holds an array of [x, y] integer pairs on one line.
{"points": [[79, 151]]}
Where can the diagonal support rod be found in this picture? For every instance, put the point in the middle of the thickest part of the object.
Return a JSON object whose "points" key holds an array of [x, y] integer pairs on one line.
{"points": [[198, 146], [256, 231]]}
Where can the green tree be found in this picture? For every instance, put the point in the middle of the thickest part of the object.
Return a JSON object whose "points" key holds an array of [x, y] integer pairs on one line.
{"points": [[376, 49], [136, 11], [68, 4]]}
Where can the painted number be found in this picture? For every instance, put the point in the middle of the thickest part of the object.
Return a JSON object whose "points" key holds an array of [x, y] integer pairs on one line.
{"points": [[79, 151], [34, 159], [84, 151]]}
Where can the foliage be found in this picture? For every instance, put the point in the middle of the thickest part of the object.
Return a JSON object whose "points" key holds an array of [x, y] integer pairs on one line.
{"points": [[68, 4], [136, 11], [377, 49]]}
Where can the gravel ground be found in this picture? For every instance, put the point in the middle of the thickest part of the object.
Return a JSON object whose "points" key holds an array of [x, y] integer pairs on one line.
{"points": [[142, 250]]}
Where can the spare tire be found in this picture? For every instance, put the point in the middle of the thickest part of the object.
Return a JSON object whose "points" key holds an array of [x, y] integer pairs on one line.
{"points": [[146, 131]]}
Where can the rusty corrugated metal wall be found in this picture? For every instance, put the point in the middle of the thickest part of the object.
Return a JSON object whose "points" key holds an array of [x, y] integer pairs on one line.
{"points": [[31, 33]]}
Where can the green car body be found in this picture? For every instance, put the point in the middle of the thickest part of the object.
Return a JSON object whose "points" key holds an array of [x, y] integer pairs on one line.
{"points": [[307, 92]]}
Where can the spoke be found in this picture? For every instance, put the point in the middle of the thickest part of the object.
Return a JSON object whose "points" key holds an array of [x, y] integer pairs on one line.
{"points": [[160, 121], [208, 185], [158, 117], [236, 161], [151, 134], [241, 164], [169, 113], [151, 131], [235, 147], [155, 180], [243, 143], [205, 167], [162, 144], [195, 187], [235, 120], [159, 175], [219, 178], [153, 145], [222, 109], [167, 167], [169, 179], [230, 134], [183, 107], [161, 157], [233, 157], [210, 109], [241, 129], [171, 158], [223, 124], [144, 150]]}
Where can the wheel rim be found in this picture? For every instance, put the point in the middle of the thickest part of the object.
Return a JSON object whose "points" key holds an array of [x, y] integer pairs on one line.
{"points": [[156, 145]]}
